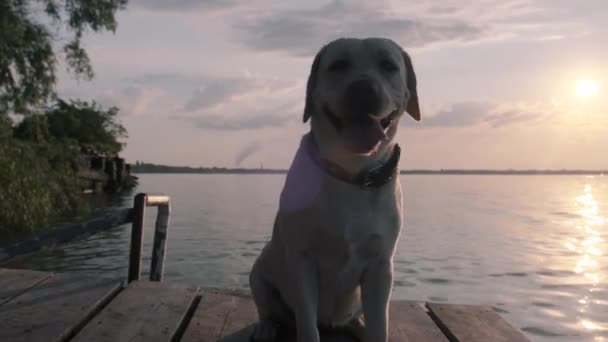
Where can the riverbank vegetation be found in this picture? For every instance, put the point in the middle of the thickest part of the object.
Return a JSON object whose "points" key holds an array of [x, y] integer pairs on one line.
{"points": [[42, 135]]}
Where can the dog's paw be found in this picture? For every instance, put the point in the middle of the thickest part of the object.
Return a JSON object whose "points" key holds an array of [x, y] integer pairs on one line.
{"points": [[265, 331], [356, 328]]}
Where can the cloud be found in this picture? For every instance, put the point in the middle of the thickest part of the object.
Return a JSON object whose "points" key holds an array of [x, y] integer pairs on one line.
{"points": [[241, 118], [184, 5], [444, 10], [460, 115], [300, 32], [131, 100], [248, 102], [512, 116], [220, 91], [208, 101], [468, 114], [216, 92], [234, 123]]}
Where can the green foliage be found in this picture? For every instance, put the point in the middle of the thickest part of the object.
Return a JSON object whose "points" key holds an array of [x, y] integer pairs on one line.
{"points": [[87, 125], [34, 128], [35, 191], [27, 55], [5, 127], [39, 160], [38, 184]]}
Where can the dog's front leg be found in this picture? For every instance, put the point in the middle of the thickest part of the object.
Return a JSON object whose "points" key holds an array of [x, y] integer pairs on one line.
{"points": [[375, 295], [304, 297]]}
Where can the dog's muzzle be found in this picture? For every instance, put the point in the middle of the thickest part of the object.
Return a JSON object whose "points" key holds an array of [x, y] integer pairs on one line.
{"points": [[367, 121], [363, 98]]}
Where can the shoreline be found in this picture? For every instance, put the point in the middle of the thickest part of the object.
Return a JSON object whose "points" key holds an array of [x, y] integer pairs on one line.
{"points": [[220, 171]]}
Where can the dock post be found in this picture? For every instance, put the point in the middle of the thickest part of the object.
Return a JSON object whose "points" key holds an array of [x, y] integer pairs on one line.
{"points": [[160, 236], [142, 201], [137, 237]]}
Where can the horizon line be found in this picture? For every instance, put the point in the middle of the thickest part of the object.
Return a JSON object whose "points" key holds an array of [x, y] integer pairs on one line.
{"points": [[143, 167]]}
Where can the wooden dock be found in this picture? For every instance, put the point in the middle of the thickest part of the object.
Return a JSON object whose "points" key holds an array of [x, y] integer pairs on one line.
{"points": [[40, 306]]}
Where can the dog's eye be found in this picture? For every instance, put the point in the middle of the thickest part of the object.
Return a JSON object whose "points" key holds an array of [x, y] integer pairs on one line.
{"points": [[339, 65], [389, 66]]}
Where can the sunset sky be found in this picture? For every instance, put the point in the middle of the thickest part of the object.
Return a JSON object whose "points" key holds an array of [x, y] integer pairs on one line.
{"points": [[502, 83]]}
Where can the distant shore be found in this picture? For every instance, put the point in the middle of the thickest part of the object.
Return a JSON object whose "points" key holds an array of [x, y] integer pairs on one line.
{"points": [[143, 168]]}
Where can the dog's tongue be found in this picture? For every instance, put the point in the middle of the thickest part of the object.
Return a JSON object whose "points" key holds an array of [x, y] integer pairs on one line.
{"points": [[366, 135]]}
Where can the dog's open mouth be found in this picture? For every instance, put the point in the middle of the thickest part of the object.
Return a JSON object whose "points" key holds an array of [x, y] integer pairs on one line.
{"points": [[388, 120], [365, 134]]}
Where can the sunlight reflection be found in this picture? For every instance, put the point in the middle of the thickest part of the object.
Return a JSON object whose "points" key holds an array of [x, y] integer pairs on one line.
{"points": [[596, 326], [588, 245]]}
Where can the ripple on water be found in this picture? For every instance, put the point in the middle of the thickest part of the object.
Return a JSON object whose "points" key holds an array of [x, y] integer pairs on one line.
{"points": [[565, 214], [254, 242], [403, 262], [509, 274], [543, 304], [437, 299], [541, 332], [429, 259], [403, 283], [218, 256], [559, 286], [500, 310], [436, 281], [517, 274], [451, 268], [405, 270], [556, 273]]}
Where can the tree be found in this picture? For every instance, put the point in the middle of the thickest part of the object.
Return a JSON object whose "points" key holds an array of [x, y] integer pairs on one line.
{"points": [[38, 181], [27, 55], [92, 127], [34, 128], [87, 125]]}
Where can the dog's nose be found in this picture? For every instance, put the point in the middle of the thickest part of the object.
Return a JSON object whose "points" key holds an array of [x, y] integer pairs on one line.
{"points": [[363, 97]]}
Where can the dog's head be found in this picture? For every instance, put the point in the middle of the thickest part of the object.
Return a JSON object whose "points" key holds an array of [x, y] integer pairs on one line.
{"points": [[357, 91]]}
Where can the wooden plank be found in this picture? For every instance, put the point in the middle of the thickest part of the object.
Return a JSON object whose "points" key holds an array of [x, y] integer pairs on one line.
{"points": [[53, 309], [409, 322], [144, 311], [242, 319], [15, 282], [473, 323], [210, 317], [231, 318]]}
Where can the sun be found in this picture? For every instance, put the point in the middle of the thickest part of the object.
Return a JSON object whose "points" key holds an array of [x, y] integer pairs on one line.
{"points": [[586, 88]]}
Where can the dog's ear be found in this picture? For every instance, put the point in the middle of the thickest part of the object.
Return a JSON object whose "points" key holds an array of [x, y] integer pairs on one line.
{"points": [[310, 86], [412, 106]]}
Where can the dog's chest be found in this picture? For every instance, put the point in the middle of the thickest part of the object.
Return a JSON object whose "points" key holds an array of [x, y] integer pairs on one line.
{"points": [[354, 226]]}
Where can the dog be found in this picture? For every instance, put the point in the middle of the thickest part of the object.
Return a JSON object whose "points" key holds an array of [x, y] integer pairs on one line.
{"points": [[329, 260]]}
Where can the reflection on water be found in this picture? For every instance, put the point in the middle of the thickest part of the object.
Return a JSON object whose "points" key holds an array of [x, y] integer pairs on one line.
{"points": [[589, 246], [532, 247]]}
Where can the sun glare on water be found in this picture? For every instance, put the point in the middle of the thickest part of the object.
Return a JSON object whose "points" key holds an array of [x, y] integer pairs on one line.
{"points": [[586, 88]]}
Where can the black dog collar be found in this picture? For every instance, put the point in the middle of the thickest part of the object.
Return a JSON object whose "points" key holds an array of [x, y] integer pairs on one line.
{"points": [[372, 178]]}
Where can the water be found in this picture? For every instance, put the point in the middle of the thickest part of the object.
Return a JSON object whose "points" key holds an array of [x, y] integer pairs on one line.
{"points": [[532, 247]]}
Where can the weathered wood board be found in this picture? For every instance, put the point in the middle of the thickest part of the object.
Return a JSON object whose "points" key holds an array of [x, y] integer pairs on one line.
{"points": [[144, 311], [54, 308], [39, 306]]}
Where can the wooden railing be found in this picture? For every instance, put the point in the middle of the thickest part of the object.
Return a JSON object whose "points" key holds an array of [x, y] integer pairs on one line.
{"points": [[109, 220], [160, 235]]}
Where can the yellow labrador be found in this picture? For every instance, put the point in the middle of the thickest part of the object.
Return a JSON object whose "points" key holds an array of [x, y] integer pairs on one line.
{"points": [[329, 261]]}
